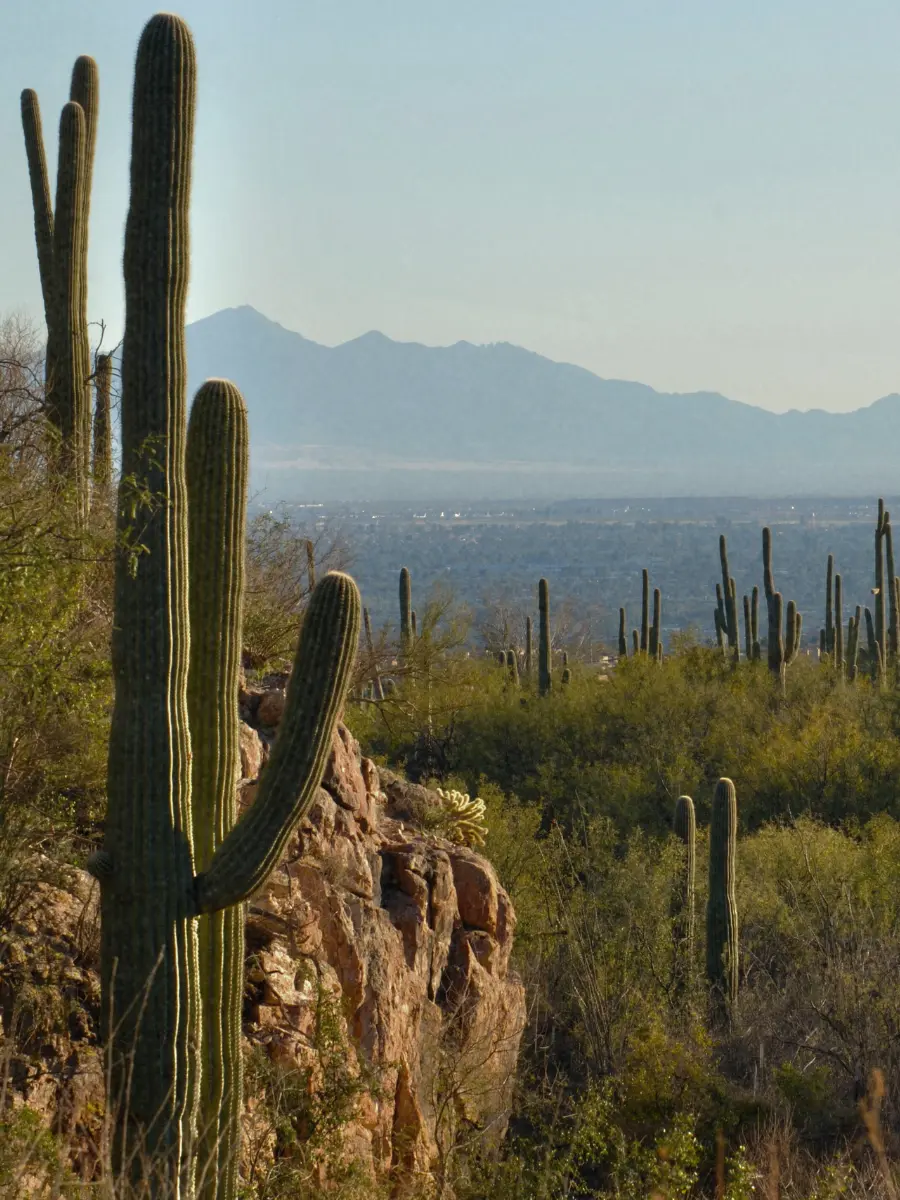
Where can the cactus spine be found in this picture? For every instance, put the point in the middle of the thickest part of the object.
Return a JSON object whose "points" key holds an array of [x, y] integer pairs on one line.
{"points": [[545, 675], [721, 910], [102, 468], [685, 829], [153, 993], [623, 639]]}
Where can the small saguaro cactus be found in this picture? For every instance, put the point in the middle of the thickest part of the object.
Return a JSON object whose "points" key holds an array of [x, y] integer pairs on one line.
{"points": [[635, 643], [623, 638], [721, 910], [102, 466], [171, 859], [729, 599], [685, 829], [853, 643], [829, 600], [529, 649], [545, 674], [406, 629], [655, 642], [645, 611]]}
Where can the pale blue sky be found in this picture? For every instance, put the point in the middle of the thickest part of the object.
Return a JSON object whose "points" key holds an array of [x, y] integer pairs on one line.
{"points": [[691, 194]]}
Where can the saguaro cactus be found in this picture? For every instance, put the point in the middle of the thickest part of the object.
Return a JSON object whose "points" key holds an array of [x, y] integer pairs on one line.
{"points": [[829, 598], [853, 642], [655, 628], [879, 576], [62, 242], [545, 673], [754, 624], [406, 629], [893, 627], [623, 639], [645, 611], [839, 625], [748, 629], [512, 665], [721, 910], [782, 650], [729, 600], [102, 468], [155, 987], [685, 829], [311, 563]]}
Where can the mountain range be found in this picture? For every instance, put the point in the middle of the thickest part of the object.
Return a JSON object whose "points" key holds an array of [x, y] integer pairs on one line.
{"points": [[375, 419]]}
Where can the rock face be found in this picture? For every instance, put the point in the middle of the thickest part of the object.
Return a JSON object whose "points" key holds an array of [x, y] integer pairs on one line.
{"points": [[400, 938]]}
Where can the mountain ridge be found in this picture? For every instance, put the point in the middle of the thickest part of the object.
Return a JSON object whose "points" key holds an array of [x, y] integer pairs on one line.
{"points": [[375, 418]]}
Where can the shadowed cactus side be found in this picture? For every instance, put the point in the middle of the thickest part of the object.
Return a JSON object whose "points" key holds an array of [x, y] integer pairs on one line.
{"points": [[155, 974], [685, 829], [545, 673], [102, 470], [721, 910]]}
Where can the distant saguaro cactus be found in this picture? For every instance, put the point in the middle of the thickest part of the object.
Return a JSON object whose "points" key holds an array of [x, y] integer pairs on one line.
{"points": [[623, 639], [829, 599], [839, 625], [545, 673], [645, 611], [406, 629], [721, 910], [853, 643], [655, 628]]}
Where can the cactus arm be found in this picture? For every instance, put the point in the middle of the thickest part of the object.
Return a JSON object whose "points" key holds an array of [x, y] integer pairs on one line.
{"points": [[325, 657], [85, 90], [216, 469], [67, 347], [512, 664], [754, 615], [41, 202]]}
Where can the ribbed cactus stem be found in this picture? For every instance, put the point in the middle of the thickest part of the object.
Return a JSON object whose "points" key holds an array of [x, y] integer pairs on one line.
{"points": [[70, 387], [721, 912], [43, 214], [623, 637], [645, 611], [406, 630], [839, 625], [148, 943], [685, 829], [217, 449], [545, 675], [657, 619], [85, 90], [529, 648], [829, 613], [102, 467]]}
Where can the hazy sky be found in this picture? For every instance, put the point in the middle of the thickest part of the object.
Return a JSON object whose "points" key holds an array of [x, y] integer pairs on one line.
{"points": [[692, 194]]}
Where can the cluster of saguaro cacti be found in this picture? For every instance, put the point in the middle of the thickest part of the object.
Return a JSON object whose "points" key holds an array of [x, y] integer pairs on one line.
{"points": [[176, 866], [883, 634], [647, 640], [721, 909], [61, 234], [726, 615]]}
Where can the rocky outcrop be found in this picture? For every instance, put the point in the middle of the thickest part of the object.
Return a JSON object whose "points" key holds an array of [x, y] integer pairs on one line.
{"points": [[376, 952]]}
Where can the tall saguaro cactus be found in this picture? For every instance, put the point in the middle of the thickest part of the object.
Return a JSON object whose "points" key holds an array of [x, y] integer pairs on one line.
{"points": [[623, 636], [721, 910], [645, 611], [829, 598], [545, 673], [406, 629], [655, 629], [157, 981]]}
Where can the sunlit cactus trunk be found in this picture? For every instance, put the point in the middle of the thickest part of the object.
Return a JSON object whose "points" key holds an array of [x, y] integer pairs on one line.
{"points": [[721, 911]]}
